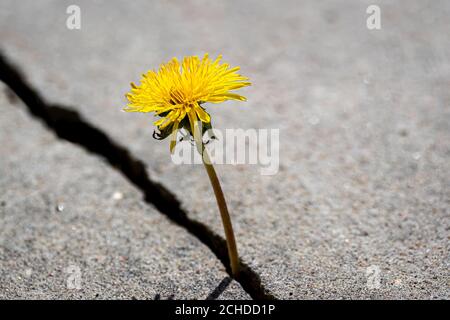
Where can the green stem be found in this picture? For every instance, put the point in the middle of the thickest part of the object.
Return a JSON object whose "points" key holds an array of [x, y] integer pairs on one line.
{"points": [[226, 220]]}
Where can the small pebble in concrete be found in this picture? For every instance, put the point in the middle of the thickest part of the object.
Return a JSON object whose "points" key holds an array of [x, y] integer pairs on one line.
{"points": [[416, 155], [117, 195], [397, 282]]}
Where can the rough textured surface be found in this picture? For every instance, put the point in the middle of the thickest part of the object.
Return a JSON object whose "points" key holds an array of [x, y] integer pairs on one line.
{"points": [[363, 118], [63, 212]]}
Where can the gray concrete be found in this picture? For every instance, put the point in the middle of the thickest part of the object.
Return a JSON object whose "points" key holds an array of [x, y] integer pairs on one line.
{"points": [[363, 118], [65, 213]]}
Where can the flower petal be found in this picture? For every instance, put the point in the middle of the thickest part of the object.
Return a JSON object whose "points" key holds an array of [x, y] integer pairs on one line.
{"points": [[202, 114]]}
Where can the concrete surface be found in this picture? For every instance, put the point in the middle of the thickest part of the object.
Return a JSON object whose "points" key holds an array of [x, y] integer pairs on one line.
{"points": [[65, 213], [363, 116]]}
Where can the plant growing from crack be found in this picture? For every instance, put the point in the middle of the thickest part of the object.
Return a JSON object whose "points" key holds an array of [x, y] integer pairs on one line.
{"points": [[176, 94]]}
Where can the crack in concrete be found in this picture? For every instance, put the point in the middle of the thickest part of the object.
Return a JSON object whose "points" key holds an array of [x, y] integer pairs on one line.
{"points": [[69, 125], [223, 285]]}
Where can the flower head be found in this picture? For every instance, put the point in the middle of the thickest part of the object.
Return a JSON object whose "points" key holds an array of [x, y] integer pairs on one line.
{"points": [[177, 91]]}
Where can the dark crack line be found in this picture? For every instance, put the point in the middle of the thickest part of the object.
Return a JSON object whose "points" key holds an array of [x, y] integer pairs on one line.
{"points": [[70, 125], [223, 285]]}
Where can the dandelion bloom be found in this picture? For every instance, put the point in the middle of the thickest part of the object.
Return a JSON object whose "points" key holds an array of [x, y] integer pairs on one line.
{"points": [[179, 89], [176, 93]]}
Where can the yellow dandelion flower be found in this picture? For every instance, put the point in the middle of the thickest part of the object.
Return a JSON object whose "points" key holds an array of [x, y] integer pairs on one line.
{"points": [[176, 94], [179, 89]]}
